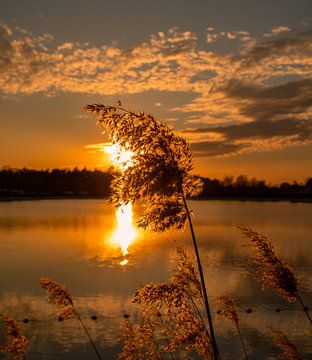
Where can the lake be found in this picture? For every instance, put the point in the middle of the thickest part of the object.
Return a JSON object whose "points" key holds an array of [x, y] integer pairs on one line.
{"points": [[75, 242]]}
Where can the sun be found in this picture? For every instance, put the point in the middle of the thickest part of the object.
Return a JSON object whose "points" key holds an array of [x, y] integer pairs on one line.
{"points": [[119, 157]]}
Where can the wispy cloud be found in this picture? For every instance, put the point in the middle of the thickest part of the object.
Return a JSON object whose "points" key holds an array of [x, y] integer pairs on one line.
{"points": [[277, 30], [241, 101]]}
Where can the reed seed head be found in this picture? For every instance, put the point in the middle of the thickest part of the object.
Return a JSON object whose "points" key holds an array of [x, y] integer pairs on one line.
{"points": [[289, 350], [271, 271], [180, 301], [59, 295], [15, 340], [228, 309], [160, 165]]}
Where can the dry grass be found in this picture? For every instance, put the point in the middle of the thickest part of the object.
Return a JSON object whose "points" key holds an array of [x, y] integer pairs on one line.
{"points": [[289, 350], [15, 340], [160, 165], [59, 295], [159, 175], [271, 271], [171, 319]]}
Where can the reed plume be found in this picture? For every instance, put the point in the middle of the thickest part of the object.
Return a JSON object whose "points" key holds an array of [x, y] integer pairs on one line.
{"points": [[15, 340], [228, 310], [59, 295], [289, 350], [138, 340], [177, 304], [271, 271], [158, 176], [159, 168]]}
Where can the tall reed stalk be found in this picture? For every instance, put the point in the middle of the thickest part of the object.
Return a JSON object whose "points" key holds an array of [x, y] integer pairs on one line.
{"points": [[158, 175], [203, 285]]}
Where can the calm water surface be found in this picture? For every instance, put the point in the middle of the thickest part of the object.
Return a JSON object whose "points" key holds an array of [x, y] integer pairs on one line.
{"points": [[75, 242]]}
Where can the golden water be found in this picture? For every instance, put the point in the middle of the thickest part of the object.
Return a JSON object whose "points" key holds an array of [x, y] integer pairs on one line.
{"points": [[82, 244]]}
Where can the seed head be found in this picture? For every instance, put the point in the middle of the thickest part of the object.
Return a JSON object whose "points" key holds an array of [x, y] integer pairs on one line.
{"points": [[160, 165], [289, 350], [228, 309], [60, 296], [15, 341], [271, 271]]}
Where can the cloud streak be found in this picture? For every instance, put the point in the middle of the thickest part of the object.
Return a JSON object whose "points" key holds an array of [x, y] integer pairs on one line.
{"points": [[242, 100]]}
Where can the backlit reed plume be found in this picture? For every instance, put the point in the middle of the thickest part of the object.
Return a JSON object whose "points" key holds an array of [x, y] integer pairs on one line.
{"points": [[15, 340], [158, 175], [228, 310], [140, 339], [289, 350], [271, 271], [171, 316], [59, 295]]}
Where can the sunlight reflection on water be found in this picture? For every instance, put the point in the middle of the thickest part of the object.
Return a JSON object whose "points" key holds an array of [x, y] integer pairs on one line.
{"points": [[125, 233], [70, 241]]}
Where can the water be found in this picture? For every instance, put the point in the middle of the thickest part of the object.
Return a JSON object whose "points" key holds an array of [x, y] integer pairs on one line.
{"points": [[70, 241]]}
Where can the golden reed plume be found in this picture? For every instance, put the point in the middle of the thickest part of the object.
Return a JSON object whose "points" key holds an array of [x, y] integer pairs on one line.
{"points": [[271, 271], [15, 340], [59, 295]]}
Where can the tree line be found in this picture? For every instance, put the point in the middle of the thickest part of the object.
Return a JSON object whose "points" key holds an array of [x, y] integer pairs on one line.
{"points": [[96, 183]]}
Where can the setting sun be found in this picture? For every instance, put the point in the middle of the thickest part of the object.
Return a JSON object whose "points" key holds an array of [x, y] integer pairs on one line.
{"points": [[119, 157]]}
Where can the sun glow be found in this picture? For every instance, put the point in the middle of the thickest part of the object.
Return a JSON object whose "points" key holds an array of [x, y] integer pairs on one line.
{"points": [[125, 233], [119, 157]]}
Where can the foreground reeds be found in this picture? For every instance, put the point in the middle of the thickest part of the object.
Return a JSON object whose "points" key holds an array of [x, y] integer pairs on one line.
{"points": [[158, 175], [271, 271], [228, 310], [59, 295], [170, 319]]}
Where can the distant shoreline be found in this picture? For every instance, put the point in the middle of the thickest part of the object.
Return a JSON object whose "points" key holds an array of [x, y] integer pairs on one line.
{"points": [[259, 199]]}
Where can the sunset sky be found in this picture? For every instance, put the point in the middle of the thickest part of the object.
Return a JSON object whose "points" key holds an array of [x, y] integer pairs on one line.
{"points": [[232, 76]]}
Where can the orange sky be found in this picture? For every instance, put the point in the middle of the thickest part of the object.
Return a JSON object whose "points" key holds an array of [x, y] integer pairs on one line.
{"points": [[236, 83]]}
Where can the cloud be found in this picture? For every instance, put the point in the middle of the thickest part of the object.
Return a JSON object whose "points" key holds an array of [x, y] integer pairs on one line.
{"points": [[259, 102], [260, 129], [216, 148], [241, 36], [252, 136], [237, 104], [277, 30], [286, 46]]}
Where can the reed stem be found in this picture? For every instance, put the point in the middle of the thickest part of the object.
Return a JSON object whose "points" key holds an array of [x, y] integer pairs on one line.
{"points": [[216, 354], [88, 334], [241, 339], [305, 309]]}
